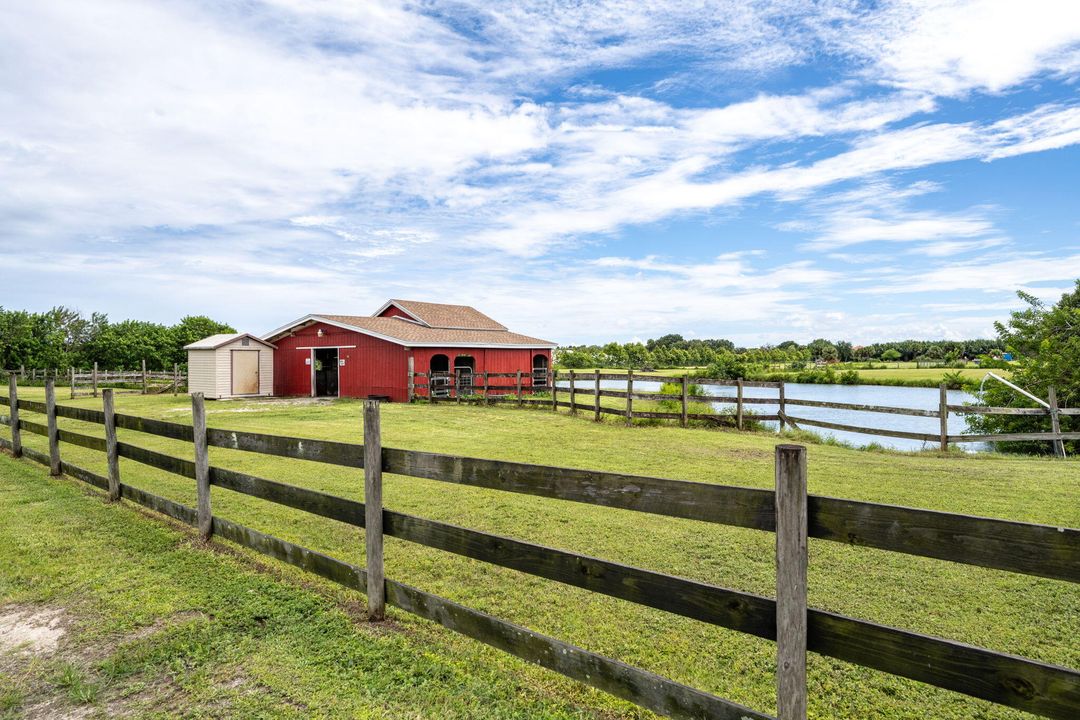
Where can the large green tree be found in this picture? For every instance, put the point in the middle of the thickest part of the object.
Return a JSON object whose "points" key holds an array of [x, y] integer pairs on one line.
{"points": [[1045, 343], [190, 329], [62, 337]]}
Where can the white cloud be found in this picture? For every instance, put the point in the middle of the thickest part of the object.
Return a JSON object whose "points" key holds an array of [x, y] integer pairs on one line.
{"points": [[298, 146], [674, 187], [1004, 273], [951, 47], [845, 229]]}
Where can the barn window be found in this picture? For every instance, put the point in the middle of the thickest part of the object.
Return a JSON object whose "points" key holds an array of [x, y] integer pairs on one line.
{"points": [[245, 342]]}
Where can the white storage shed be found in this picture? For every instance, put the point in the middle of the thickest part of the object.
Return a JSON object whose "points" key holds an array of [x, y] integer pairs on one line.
{"points": [[231, 365]]}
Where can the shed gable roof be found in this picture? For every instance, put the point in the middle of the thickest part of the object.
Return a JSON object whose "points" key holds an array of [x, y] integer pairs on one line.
{"points": [[213, 342]]}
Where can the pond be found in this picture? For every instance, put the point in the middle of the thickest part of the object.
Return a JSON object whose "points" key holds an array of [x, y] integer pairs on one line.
{"points": [[907, 397]]}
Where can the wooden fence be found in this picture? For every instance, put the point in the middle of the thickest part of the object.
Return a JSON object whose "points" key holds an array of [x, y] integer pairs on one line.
{"points": [[1037, 550], [476, 386], [574, 385], [34, 376], [144, 382]]}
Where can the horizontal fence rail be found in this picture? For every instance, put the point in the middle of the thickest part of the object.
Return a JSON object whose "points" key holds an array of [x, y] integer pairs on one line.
{"points": [[1032, 549]]}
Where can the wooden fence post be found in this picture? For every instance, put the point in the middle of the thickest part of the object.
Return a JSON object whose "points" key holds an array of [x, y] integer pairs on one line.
{"points": [[411, 380], [373, 512], [629, 400], [596, 398], [112, 456], [519, 388], [782, 407], [54, 432], [943, 413], [554, 381], [791, 561], [738, 404], [1055, 422], [72, 382], [95, 378], [684, 421], [16, 433], [487, 389], [144, 376], [573, 397], [202, 466], [175, 379]]}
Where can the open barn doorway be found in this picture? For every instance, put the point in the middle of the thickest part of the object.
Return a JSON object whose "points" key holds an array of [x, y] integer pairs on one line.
{"points": [[464, 368], [326, 372], [439, 376], [539, 371]]}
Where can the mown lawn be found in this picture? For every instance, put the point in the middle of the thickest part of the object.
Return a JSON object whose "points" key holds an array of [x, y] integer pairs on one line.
{"points": [[1027, 616], [156, 625]]}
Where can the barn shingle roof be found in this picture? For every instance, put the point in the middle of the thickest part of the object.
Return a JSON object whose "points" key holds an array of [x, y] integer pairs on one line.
{"points": [[441, 315], [433, 324], [412, 333]]}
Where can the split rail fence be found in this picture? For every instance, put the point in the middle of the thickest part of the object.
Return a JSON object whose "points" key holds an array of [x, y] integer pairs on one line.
{"points": [[788, 511], [573, 389], [144, 382], [88, 383]]}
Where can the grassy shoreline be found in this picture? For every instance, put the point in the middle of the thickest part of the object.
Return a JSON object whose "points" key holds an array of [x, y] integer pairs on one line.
{"points": [[891, 377]]}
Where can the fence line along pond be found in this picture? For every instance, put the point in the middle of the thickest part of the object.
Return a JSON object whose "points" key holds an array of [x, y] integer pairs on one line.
{"points": [[841, 411], [915, 398]]}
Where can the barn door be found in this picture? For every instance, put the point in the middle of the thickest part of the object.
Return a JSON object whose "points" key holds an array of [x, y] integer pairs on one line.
{"points": [[326, 372], [245, 372]]}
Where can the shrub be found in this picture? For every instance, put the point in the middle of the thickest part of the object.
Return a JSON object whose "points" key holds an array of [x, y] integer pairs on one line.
{"points": [[849, 377]]}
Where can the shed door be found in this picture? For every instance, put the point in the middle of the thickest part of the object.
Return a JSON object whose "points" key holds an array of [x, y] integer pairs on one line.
{"points": [[245, 372]]}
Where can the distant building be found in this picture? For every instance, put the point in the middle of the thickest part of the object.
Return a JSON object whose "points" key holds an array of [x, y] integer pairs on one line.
{"points": [[231, 365], [330, 355]]}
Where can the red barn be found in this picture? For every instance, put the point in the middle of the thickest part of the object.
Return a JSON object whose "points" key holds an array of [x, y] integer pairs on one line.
{"points": [[370, 356]]}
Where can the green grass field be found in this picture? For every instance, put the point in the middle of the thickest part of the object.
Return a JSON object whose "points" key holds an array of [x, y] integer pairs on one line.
{"points": [[324, 664], [913, 373]]}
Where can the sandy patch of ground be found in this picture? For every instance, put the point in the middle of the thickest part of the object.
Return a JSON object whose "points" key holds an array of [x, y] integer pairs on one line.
{"points": [[53, 676], [33, 630], [254, 406]]}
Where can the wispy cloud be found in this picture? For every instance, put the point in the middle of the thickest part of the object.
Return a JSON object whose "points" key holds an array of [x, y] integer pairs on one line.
{"points": [[298, 145]]}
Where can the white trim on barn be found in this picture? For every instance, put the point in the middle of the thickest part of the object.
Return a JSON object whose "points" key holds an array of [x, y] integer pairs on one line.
{"points": [[211, 366]]}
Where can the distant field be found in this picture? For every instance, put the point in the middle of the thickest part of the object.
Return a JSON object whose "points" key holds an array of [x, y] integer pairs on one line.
{"points": [[914, 373], [305, 654], [669, 372], [894, 372]]}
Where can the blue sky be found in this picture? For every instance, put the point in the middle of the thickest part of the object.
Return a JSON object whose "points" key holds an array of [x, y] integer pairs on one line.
{"points": [[581, 171]]}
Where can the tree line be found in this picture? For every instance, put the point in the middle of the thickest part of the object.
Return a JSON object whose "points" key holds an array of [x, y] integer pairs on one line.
{"points": [[674, 350], [1045, 343], [63, 337]]}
